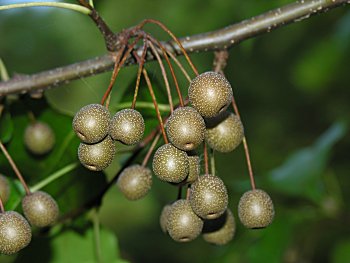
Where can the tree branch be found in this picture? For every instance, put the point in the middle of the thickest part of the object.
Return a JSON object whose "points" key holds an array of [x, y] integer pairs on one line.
{"points": [[215, 40]]}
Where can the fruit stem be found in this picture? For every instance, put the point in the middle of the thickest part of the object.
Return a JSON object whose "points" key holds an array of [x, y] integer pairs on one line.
{"points": [[212, 162], [206, 163], [150, 150], [170, 67], [160, 24], [173, 57], [15, 169], [118, 64], [139, 71], [149, 84], [245, 145], [166, 82], [2, 209]]}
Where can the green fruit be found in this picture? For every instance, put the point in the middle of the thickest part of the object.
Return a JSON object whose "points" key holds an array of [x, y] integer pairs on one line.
{"points": [[15, 232], [39, 138], [210, 93], [135, 181], [225, 133], [127, 126], [91, 123], [163, 219], [170, 164], [4, 189], [221, 230], [98, 156], [183, 224], [185, 128], [255, 209], [40, 209], [208, 197]]}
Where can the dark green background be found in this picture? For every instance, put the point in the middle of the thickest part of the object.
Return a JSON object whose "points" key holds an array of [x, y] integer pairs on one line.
{"points": [[292, 88]]}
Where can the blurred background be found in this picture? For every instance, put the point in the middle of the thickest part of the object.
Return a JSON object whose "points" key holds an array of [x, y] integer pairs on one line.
{"points": [[292, 88]]}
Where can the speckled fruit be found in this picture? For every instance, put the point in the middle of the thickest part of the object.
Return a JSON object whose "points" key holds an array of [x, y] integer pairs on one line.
{"points": [[91, 123], [15, 232], [226, 135], [208, 197], [127, 126], [183, 224], [135, 181], [185, 128], [170, 164], [98, 156], [163, 219], [4, 189], [210, 93], [39, 138], [221, 230], [40, 209], [255, 209]]}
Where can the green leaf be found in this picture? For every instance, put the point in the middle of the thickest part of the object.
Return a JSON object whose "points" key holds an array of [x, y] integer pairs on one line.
{"points": [[6, 127], [301, 174], [71, 246], [341, 252]]}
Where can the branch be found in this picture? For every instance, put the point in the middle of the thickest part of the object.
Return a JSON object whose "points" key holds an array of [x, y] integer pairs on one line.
{"points": [[220, 39]]}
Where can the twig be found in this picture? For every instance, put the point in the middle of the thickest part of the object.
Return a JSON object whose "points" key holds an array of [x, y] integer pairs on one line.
{"points": [[215, 40]]}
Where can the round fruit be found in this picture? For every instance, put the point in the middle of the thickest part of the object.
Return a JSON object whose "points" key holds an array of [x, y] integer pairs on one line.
{"points": [[135, 181], [39, 138], [170, 164], [98, 156], [210, 93], [183, 224], [15, 232], [91, 123], [226, 135], [163, 219], [40, 209], [4, 189], [220, 231], [127, 126], [208, 197], [255, 209], [185, 128]]}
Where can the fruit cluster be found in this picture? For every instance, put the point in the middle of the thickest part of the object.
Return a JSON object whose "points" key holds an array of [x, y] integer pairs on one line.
{"points": [[40, 210], [98, 132], [207, 121]]}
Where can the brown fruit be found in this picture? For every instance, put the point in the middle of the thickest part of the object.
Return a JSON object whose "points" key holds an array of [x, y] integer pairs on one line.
{"points": [[127, 126], [39, 138], [40, 209], [185, 128], [225, 133], [170, 164], [91, 123], [98, 156], [221, 230], [15, 232], [208, 197], [135, 182], [255, 209], [183, 224], [163, 219], [210, 93]]}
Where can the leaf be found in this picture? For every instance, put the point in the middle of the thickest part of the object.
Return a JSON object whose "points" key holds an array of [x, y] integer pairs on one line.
{"points": [[71, 246], [301, 174], [6, 127], [341, 252]]}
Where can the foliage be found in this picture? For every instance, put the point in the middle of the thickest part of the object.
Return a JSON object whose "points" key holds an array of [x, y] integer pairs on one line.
{"points": [[292, 89]]}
